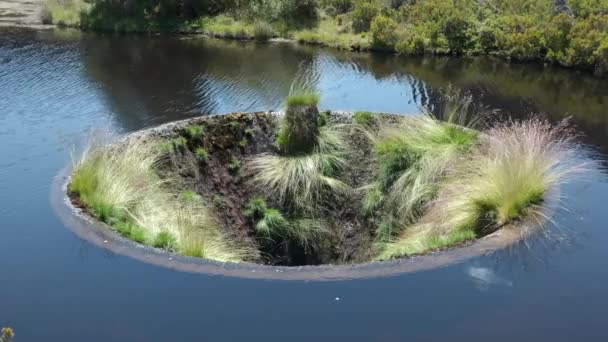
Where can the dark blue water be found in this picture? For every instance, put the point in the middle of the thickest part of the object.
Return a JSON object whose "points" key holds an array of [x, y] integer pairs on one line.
{"points": [[56, 86]]}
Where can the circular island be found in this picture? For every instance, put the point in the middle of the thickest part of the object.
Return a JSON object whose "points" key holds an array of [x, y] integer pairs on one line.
{"points": [[310, 195]]}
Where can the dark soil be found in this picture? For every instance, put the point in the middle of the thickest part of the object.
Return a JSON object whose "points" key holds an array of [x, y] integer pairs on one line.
{"points": [[221, 179]]}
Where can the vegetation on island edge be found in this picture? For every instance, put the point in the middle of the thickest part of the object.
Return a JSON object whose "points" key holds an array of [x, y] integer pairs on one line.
{"points": [[572, 33], [435, 181]]}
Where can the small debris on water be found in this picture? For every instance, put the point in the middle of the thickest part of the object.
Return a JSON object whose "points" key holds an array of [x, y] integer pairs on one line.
{"points": [[337, 299], [105, 241]]}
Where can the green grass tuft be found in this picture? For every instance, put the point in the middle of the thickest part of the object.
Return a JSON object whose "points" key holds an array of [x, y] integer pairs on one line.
{"points": [[303, 98], [303, 182], [164, 240], [363, 118], [121, 187], [504, 178], [234, 166], [190, 197], [195, 131], [255, 208], [412, 159], [201, 154], [179, 142]]}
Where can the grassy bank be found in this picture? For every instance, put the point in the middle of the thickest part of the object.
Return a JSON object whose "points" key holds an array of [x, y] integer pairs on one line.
{"points": [[572, 35]]}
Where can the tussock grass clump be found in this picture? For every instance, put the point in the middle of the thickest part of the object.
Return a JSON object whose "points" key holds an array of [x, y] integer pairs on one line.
{"points": [[120, 187], [505, 178], [363, 118], [412, 157], [303, 182], [271, 224], [303, 98], [511, 173]]}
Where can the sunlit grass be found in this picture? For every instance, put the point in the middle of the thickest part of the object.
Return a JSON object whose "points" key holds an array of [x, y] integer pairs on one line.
{"points": [[505, 178], [412, 157], [64, 12], [120, 187], [329, 33], [303, 181], [226, 27], [303, 98]]}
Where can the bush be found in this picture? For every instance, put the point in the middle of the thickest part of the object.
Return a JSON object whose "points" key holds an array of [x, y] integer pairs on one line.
{"points": [[520, 37], [384, 31], [588, 39], [362, 15], [457, 31], [336, 7], [411, 44], [263, 31]]}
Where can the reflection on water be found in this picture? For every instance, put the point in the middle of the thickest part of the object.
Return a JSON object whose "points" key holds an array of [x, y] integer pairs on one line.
{"points": [[56, 85]]}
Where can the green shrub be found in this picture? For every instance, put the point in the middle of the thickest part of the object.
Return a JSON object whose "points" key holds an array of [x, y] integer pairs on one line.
{"points": [[588, 39], [411, 44], [363, 13], [457, 31], [336, 7], [384, 31], [520, 37]]}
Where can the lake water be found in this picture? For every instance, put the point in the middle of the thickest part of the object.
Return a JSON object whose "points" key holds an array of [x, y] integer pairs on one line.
{"points": [[55, 86]]}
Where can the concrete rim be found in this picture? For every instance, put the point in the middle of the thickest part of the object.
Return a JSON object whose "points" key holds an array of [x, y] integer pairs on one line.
{"points": [[101, 234]]}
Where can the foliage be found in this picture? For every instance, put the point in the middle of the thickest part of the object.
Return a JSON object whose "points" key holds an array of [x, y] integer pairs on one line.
{"points": [[195, 131], [505, 178], [384, 31], [303, 182], [519, 29], [263, 31], [363, 13], [119, 185], [201, 154], [413, 157], [299, 127], [363, 118], [304, 98], [272, 224]]}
